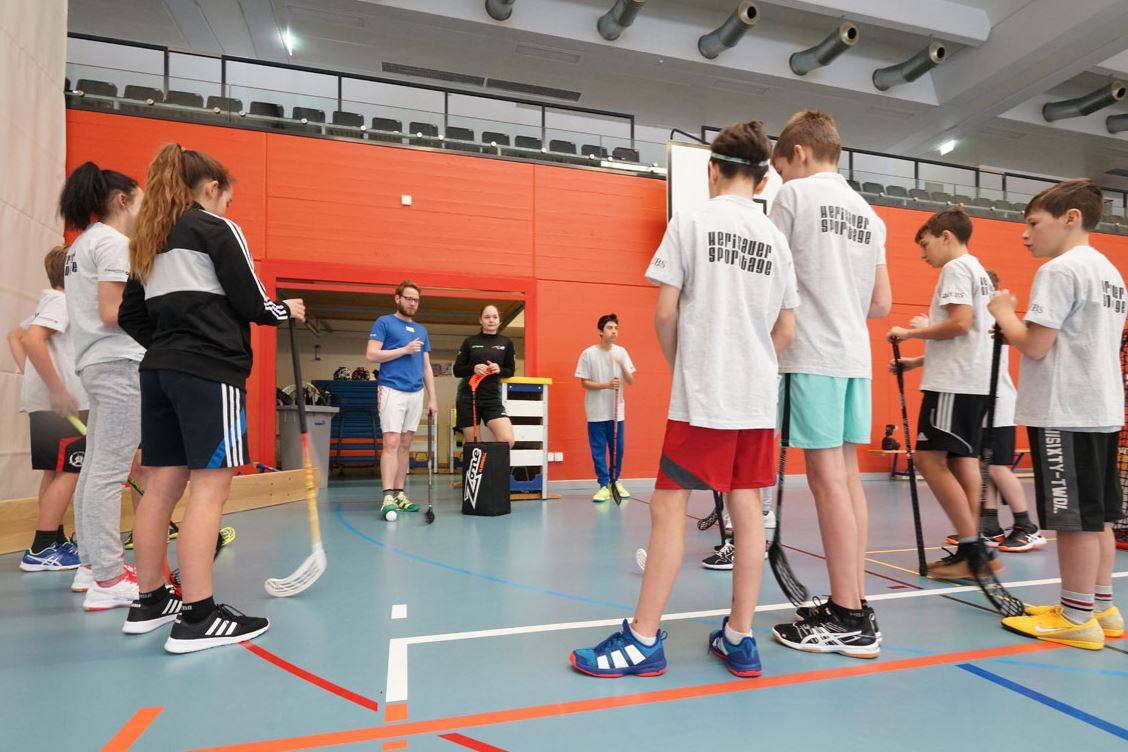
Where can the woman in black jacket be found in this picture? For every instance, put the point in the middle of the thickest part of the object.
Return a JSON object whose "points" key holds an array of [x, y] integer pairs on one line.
{"points": [[190, 299], [491, 356]]}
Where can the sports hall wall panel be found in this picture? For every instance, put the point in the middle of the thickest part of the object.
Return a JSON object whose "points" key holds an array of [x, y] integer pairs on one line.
{"points": [[575, 241]]}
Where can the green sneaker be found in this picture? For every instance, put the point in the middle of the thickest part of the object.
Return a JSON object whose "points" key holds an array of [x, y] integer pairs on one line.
{"points": [[623, 492], [388, 506], [404, 505], [603, 494]]}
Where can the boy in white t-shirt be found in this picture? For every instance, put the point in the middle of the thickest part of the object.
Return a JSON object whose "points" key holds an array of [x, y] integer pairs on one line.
{"points": [[51, 391], [727, 287], [602, 369], [839, 247], [1071, 398], [956, 381]]}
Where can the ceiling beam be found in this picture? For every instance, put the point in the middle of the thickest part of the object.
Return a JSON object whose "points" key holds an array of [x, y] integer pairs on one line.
{"points": [[194, 27], [943, 19]]}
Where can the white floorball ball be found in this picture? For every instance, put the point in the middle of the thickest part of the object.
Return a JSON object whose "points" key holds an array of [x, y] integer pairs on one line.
{"points": [[390, 516]]}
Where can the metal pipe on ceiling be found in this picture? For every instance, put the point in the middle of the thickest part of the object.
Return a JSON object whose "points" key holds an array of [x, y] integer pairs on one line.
{"points": [[500, 10], [621, 15], [746, 15], [823, 53], [1109, 94], [1117, 123], [936, 53]]}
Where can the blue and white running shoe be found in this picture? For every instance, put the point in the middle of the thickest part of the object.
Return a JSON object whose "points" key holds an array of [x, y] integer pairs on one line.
{"points": [[621, 654], [54, 558], [742, 660]]}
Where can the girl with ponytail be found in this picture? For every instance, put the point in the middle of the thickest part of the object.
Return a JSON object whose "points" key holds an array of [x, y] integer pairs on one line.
{"points": [[190, 300], [103, 204]]}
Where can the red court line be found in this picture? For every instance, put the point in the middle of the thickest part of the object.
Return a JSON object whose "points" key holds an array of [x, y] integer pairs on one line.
{"points": [[314, 679], [132, 730], [469, 743], [435, 725]]}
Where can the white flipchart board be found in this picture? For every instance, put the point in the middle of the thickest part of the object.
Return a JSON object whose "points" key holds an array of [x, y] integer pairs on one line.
{"points": [[687, 180]]}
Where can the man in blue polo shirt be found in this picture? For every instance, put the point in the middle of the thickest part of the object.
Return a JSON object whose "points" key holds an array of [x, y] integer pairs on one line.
{"points": [[402, 348]]}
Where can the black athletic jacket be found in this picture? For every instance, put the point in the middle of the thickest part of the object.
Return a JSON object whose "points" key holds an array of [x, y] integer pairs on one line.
{"points": [[479, 349], [193, 313]]}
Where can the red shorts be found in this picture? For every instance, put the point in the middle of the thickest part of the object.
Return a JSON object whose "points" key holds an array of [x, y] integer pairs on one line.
{"points": [[700, 459]]}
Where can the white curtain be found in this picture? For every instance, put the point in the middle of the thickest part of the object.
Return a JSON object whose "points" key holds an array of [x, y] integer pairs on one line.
{"points": [[33, 37]]}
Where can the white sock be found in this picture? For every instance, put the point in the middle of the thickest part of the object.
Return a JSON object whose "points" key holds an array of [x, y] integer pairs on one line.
{"points": [[726, 520], [1076, 607], [733, 636], [647, 641], [766, 499], [972, 539], [1102, 598]]}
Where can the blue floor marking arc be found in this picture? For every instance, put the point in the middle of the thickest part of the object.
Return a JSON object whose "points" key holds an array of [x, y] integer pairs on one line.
{"points": [[1058, 705]]}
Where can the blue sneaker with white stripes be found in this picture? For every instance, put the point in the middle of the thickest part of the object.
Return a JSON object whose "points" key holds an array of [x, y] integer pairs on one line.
{"points": [[54, 558], [621, 654], [742, 660]]}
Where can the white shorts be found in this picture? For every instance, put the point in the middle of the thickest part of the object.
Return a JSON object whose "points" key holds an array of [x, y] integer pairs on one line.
{"points": [[400, 412]]}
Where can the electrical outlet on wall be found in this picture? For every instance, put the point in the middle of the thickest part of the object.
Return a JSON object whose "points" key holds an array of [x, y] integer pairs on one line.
{"points": [[405, 199]]}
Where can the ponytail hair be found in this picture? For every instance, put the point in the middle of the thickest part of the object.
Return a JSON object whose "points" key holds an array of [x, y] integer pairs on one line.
{"points": [[173, 174], [88, 192]]}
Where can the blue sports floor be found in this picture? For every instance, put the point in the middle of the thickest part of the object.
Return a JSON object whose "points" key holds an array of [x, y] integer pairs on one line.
{"points": [[456, 636]]}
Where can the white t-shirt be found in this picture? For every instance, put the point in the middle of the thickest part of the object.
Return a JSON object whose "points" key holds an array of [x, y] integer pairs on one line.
{"points": [[595, 365], [99, 254], [838, 242], [1006, 395], [960, 365], [1078, 384], [51, 313], [735, 273]]}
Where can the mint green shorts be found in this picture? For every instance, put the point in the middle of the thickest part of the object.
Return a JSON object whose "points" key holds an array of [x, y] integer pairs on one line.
{"points": [[826, 411]]}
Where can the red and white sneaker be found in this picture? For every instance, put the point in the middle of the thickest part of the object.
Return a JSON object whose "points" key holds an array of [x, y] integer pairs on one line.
{"points": [[1021, 540], [117, 593], [83, 579]]}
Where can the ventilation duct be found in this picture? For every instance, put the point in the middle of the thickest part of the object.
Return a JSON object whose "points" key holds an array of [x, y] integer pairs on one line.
{"points": [[912, 69], [746, 15], [823, 53], [621, 15], [500, 10], [1117, 124], [1095, 100]]}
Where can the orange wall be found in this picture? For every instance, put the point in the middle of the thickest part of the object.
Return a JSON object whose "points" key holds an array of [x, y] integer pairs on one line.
{"points": [[574, 242]]}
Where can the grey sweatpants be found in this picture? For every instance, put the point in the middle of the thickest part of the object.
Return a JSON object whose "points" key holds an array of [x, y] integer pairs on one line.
{"points": [[113, 433]]}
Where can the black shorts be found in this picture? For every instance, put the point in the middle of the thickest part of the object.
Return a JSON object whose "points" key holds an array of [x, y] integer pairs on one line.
{"points": [[490, 408], [951, 423], [1002, 446], [1076, 480], [56, 445], [190, 421]]}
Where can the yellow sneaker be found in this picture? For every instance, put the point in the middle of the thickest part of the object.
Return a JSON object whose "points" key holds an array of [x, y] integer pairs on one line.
{"points": [[623, 492], [1112, 623], [603, 494], [1051, 626]]}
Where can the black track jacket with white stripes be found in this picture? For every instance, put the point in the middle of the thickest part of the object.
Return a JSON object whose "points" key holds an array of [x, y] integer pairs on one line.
{"points": [[193, 313]]}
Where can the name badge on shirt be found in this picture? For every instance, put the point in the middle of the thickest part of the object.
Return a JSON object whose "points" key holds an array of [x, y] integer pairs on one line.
{"points": [[410, 328]]}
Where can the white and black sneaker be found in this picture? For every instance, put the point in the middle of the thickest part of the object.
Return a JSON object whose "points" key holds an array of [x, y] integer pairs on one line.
{"points": [[817, 605], [1020, 539], [722, 559], [148, 614], [826, 632], [224, 626]]}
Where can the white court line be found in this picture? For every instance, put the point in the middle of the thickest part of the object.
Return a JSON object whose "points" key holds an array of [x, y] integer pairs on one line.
{"points": [[399, 611], [396, 690]]}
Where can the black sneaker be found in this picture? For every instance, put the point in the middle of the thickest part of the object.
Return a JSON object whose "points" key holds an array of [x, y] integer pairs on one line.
{"points": [[821, 605], [159, 611], [1020, 539], [225, 626], [990, 539], [722, 559], [827, 632]]}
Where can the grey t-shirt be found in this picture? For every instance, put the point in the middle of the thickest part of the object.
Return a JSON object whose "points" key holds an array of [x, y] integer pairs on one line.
{"points": [[595, 365], [735, 273], [99, 254], [1078, 384], [51, 313], [838, 242], [960, 365]]}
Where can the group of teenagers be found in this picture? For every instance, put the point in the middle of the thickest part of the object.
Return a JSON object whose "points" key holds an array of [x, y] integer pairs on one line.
{"points": [[142, 342], [762, 320]]}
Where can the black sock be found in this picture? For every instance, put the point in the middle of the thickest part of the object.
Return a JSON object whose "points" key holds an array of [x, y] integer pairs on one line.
{"points": [[43, 540], [197, 611], [60, 536], [848, 615], [990, 519], [1022, 520], [389, 491], [154, 597]]}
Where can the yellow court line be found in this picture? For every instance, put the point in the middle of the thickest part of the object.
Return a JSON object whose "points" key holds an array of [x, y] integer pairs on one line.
{"points": [[926, 548], [893, 566]]}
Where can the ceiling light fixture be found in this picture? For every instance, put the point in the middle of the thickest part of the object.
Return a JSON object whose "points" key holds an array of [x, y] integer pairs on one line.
{"points": [[947, 146], [288, 41]]}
